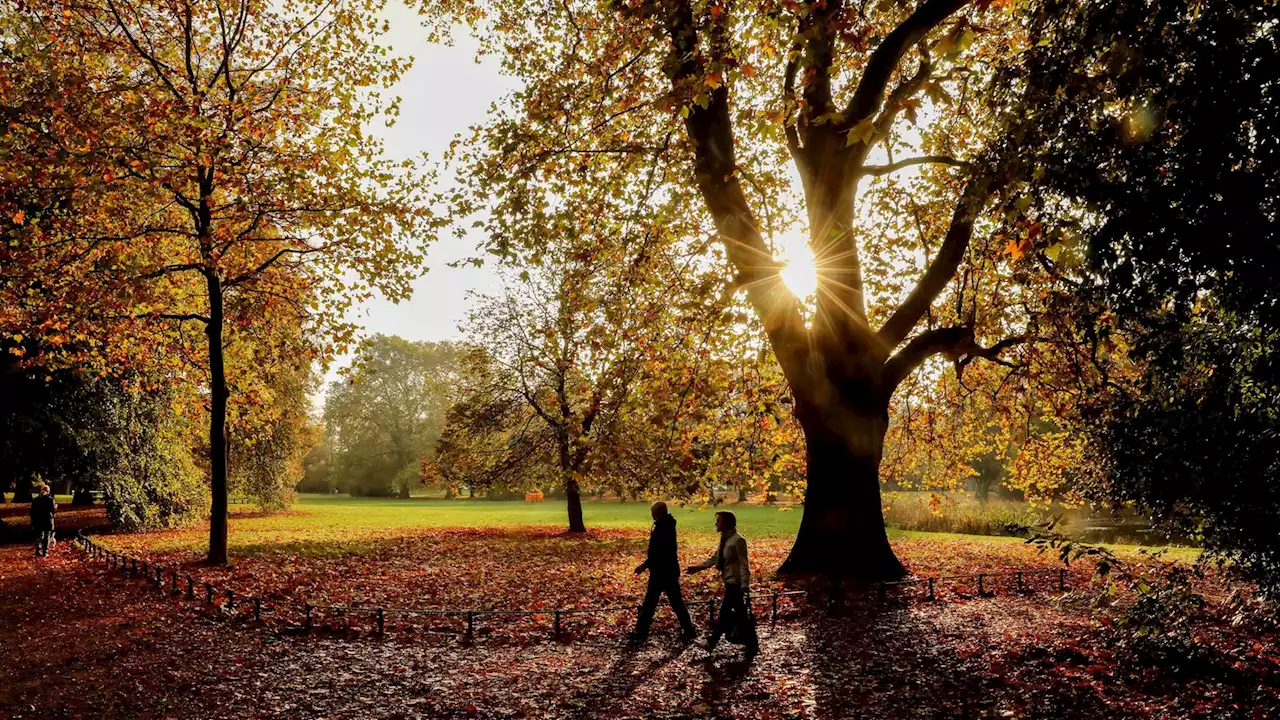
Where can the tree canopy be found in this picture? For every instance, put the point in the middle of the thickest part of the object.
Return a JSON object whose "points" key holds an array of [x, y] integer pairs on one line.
{"points": [[1155, 136], [385, 417], [201, 164]]}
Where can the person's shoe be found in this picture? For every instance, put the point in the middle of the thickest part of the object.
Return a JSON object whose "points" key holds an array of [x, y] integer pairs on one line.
{"points": [[688, 636], [636, 640]]}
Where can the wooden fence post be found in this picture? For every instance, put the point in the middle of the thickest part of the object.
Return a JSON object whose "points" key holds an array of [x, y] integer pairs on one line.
{"points": [[931, 596], [257, 609], [380, 625], [306, 608], [556, 630]]}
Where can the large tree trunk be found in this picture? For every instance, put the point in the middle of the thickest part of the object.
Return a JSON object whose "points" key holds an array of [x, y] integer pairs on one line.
{"points": [[574, 498], [81, 496], [218, 443], [842, 529], [22, 489]]}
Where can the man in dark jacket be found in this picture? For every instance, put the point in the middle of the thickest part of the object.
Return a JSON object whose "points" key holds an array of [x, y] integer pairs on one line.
{"points": [[664, 576], [42, 510]]}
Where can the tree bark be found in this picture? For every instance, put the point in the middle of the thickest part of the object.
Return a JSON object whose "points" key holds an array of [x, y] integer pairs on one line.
{"points": [[574, 498], [22, 489], [982, 488], [81, 496], [842, 530], [219, 446]]}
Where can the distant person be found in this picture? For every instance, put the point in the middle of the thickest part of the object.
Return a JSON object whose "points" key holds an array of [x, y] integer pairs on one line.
{"points": [[730, 559], [42, 509], [664, 576]]}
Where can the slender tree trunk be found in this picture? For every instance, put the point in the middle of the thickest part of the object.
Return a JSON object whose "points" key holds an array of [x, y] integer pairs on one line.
{"points": [[574, 498], [842, 529], [219, 446]]}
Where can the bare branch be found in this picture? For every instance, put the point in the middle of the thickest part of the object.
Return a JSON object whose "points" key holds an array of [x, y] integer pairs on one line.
{"points": [[878, 170]]}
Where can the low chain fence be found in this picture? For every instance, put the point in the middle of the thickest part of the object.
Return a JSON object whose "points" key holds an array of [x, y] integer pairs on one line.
{"points": [[306, 616]]}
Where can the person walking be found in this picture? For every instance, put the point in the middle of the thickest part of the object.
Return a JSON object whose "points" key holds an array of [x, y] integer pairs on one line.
{"points": [[42, 510], [663, 565], [730, 559]]}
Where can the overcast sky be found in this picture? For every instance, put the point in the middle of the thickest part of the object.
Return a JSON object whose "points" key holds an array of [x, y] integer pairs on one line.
{"points": [[443, 94]]}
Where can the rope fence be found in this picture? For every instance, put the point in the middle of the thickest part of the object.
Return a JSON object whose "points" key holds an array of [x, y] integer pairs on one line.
{"points": [[308, 615]]}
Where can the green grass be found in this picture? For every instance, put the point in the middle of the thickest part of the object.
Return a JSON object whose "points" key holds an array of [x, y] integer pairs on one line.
{"points": [[332, 525], [346, 518], [330, 511]]}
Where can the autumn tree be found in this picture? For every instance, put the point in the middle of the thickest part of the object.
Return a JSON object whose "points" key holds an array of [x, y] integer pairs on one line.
{"points": [[846, 94], [212, 150], [388, 413], [614, 297], [1155, 129]]}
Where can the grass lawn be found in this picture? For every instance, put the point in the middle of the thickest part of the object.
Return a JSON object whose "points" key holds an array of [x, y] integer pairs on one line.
{"points": [[457, 553], [326, 525], [346, 518]]}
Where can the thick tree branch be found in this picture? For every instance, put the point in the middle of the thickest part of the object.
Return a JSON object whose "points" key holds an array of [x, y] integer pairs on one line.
{"points": [[957, 343], [183, 318], [944, 265], [710, 132], [867, 98]]}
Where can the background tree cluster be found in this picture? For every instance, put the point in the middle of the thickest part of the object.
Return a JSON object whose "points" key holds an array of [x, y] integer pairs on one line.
{"points": [[384, 418]]}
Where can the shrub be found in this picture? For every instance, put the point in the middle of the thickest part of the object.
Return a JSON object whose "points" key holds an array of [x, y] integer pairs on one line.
{"points": [[911, 511]]}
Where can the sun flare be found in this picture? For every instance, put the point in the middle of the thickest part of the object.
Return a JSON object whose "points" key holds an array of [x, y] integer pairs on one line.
{"points": [[800, 273]]}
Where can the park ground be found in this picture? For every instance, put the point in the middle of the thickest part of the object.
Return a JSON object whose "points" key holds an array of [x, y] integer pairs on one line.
{"points": [[83, 641]]}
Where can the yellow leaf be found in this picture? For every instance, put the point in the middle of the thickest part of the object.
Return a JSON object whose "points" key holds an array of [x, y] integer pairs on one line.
{"points": [[862, 132]]}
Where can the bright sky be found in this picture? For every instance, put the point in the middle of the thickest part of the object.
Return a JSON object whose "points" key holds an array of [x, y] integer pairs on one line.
{"points": [[443, 94]]}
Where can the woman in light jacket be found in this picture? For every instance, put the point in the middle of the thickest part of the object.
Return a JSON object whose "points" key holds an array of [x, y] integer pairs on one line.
{"points": [[730, 559]]}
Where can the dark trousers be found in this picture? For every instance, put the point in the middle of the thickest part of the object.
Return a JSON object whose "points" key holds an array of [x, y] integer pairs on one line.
{"points": [[733, 612], [44, 538], [657, 587]]}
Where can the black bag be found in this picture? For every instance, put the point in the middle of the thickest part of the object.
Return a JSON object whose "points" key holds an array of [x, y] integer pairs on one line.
{"points": [[743, 632]]}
